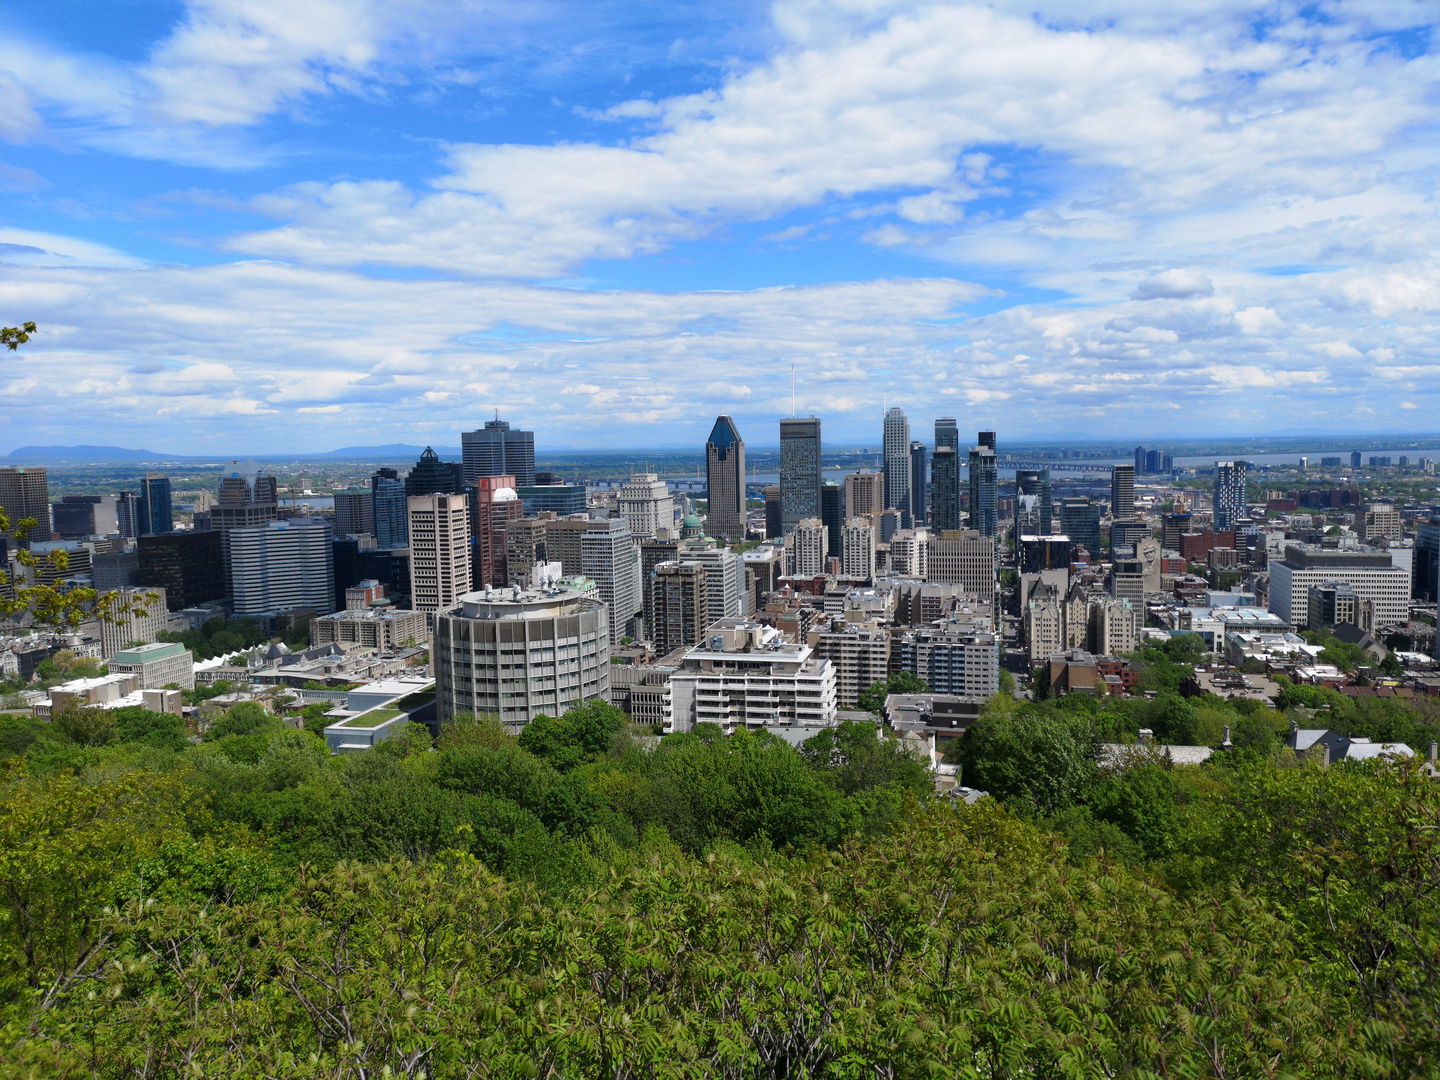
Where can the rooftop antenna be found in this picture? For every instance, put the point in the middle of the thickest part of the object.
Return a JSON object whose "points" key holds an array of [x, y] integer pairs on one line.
{"points": [[792, 390]]}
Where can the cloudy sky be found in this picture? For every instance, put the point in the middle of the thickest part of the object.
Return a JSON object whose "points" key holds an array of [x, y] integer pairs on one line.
{"points": [[292, 225]]}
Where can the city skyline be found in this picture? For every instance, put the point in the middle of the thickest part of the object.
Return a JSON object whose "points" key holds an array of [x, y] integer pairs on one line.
{"points": [[246, 228]]}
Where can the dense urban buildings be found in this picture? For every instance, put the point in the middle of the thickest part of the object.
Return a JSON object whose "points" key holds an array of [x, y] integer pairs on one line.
{"points": [[1373, 576], [725, 482], [25, 493], [945, 488], [864, 493], [431, 476], [391, 513]]}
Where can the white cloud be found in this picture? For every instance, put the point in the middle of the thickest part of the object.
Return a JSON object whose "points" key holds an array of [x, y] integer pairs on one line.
{"points": [[1183, 284]]}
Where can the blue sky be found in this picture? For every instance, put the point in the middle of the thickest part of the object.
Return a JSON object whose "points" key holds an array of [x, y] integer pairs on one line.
{"points": [[266, 226]]}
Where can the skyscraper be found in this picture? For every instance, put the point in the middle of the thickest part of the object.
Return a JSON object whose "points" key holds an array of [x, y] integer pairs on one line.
{"points": [[646, 504], [774, 513], [493, 506], [282, 565], [799, 471], [1037, 482], [497, 450], [809, 548], [725, 481], [897, 460], [440, 564], [431, 476], [1080, 520], [392, 517], [1122, 492], [832, 513], [857, 560], [25, 493], [156, 513], [947, 433], [917, 482], [608, 558], [1231, 507], [354, 512], [245, 500], [984, 486], [945, 488], [127, 513], [864, 493]]}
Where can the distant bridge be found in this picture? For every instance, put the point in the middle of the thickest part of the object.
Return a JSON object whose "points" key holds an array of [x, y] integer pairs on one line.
{"points": [[1055, 466]]}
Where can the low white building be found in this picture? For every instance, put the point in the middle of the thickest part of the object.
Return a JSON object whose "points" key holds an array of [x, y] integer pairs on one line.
{"points": [[748, 675]]}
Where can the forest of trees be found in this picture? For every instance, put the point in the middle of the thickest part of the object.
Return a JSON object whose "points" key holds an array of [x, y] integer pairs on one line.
{"points": [[587, 900]]}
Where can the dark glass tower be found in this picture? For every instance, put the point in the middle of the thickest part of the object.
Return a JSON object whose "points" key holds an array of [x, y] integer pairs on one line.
{"points": [[832, 513], [497, 450], [156, 513], [725, 481], [431, 476], [947, 433], [984, 486], [917, 482], [799, 471], [1037, 482], [945, 488]]}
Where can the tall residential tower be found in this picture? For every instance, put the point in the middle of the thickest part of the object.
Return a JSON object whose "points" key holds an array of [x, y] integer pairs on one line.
{"points": [[725, 481]]}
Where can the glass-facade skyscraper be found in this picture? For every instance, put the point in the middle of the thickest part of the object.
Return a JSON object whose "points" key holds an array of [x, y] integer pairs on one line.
{"points": [[157, 516], [917, 482], [984, 486], [945, 488], [832, 513], [1037, 482], [431, 476], [498, 450], [799, 471], [897, 460], [725, 481], [1231, 506]]}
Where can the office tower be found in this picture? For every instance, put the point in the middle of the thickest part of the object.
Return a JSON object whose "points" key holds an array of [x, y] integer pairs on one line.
{"points": [[1127, 582], [808, 548], [354, 512], [984, 486], [799, 471], [440, 564], [78, 516], [1173, 527], [496, 450], [493, 506], [947, 433], [652, 554], [917, 482], [562, 543], [680, 606], [725, 481], [857, 558], [832, 512], [559, 499], [909, 552], [646, 504], [281, 566], [525, 549], [890, 522], [25, 493], [391, 512], [113, 570], [484, 667], [962, 557], [127, 513], [1231, 507], [774, 512], [1355, 459], [245, 498], [608, 558], [1122, 492], [1372, 575], [1426, 574], [1140, 469], [1037, 482], [189, 566], [156, 512], [864, 493], [724, 578], [431, 476], [897, 461], [1080, 520]]}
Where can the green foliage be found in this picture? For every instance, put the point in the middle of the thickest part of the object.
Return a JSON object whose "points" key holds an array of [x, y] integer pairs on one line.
{"points": [[1044, 763], [851, 758], [584, 731], [872, 698], [216, 637]]}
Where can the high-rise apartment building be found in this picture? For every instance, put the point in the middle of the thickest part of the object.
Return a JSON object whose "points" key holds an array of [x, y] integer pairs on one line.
{"points": [[1036, 482], [680, 606], [984, 486], [864, 493], [646, 504], [157, 513], [945, 488], [562, 543], [498, 450], [1127, 582], [725, 481], [127, 513], [25, 493], [525, 549], [808, 547], [652, 554], [608, 558], [896, 438], [1122, 492], [282, 566], [724, 577], [1427, 561], [1231, 506], [947, 433], [799, 471], [245, 499], [857, 559], [917, 482], [431, 476], [440, 563], [392, 512], [910, 552], [354, 512], [493, 506]]}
